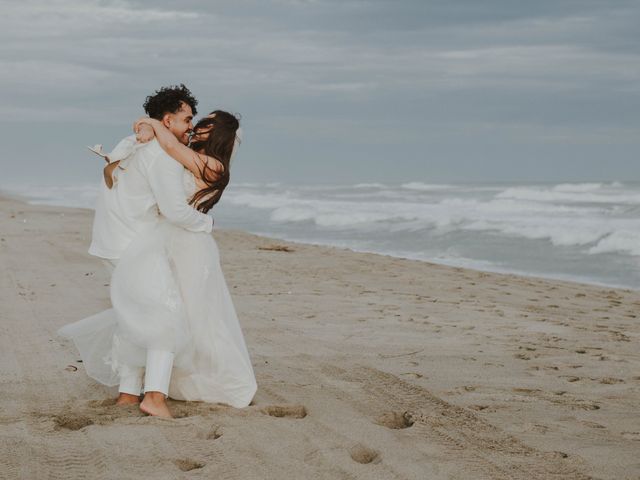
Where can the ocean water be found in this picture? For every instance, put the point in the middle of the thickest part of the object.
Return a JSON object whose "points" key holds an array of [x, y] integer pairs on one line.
{"points": [[588, 232]]}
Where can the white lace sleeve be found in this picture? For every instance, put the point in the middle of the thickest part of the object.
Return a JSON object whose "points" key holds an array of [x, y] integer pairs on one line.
{"points": [[189, 182]]}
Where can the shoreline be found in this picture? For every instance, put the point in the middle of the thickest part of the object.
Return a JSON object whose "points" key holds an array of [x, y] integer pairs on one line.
{"points": [[368, 366], [500, 271], [506, 272]]}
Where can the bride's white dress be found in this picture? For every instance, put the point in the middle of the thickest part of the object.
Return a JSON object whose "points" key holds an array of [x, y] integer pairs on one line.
{"points": [[168, 292]]}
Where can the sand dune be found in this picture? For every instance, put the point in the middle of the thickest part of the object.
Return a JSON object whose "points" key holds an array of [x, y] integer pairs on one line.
{"points": [[368, 367]]}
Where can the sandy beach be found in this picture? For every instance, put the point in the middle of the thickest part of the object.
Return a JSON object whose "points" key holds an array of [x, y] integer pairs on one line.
{"points": [[368, 367]]}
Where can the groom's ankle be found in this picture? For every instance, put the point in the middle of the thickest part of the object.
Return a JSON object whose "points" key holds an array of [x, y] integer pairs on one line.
{"points": [[155, 396]]}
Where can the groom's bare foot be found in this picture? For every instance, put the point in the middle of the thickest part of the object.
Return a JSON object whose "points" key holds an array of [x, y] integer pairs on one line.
{"points": [[127, 399], [154, 404]]}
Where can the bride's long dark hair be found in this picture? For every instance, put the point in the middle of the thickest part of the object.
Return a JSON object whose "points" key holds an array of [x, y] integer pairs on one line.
{"points": [[222, 128]]}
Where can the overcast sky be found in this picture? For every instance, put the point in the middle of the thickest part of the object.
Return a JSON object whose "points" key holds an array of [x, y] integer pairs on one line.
{"points": [[334, 91]]}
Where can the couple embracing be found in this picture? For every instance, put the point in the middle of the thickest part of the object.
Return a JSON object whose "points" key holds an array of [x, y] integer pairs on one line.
{"points": [[173, 329]]}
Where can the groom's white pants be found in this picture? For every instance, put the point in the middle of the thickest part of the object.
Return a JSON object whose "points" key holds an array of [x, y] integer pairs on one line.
{"points": [[157, 371]]}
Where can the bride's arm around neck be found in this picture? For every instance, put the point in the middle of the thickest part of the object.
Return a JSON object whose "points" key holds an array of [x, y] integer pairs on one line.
{"points": [[191, 160]]}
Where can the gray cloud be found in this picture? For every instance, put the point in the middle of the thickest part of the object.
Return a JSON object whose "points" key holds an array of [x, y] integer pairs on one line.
{"points": [[340, 84]]}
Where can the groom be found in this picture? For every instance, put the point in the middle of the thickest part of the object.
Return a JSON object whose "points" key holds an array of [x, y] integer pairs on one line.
{"points": [[147, 183]]}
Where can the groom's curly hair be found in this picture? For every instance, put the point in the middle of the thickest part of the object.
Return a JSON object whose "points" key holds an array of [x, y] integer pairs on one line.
{"points": [[169, 100]]}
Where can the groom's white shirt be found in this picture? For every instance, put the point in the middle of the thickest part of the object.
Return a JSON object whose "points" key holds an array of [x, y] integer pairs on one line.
{"points": [[150, 185]]}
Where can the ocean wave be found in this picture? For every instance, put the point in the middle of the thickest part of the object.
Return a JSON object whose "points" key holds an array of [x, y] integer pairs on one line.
{"points": [[578, 187], [588, 194], [426, 186], [262, 200], [560, 232], [625, 241], [590, 218], [563, 225], [586, 187], [80, 195], [369, 185]]}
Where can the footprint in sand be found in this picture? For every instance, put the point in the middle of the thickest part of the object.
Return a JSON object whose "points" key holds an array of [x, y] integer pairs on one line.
{"points": [[187, 464], [619, 336], [395, 420], [364, 455], [478, 407], [213, 433], [611, 380], [290, 411], [592, 424], [525, 390], [535, 427], [108, 402], [191, 409], [71, 422], [522, 356]]}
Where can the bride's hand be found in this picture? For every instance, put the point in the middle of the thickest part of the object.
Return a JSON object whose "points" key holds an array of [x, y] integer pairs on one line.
{"points": [[145, 133], [142, 121], [143, 128]]}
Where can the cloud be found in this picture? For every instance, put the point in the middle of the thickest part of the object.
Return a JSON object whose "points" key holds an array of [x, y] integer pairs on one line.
{"points": [[551, 71], [249, 54], [62, 18]]}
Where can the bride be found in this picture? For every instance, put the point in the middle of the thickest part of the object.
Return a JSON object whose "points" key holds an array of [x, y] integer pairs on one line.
{"points": [[168, 290]]}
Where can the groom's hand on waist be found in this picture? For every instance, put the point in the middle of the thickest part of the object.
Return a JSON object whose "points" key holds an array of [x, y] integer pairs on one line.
{"points": [[107, 173]]}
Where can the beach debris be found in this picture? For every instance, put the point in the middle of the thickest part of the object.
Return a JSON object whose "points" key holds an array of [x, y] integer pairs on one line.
{"points": [[71, 368], [277, 248]]}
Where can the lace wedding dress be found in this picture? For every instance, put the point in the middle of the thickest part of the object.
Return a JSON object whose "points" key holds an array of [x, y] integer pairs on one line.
{"points": [[168, 292]]}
